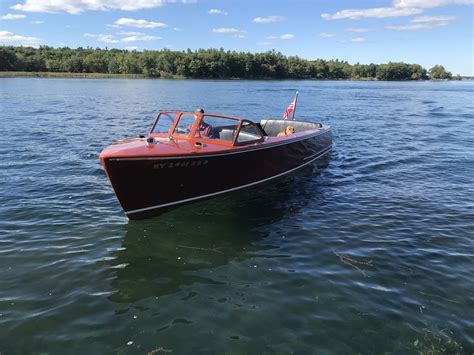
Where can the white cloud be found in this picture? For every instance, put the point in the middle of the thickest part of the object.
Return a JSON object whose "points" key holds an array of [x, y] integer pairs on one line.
{"points": [[268, 19], [101, 37], [423, 23], [264, 43], [140, 39], [430, 3], [358, 40], [130, 37], [37, 22], [189, 1], [139, 23], [10, 17], [399, 8], [78, 6], [217, 12], [228, 30], [225, 30], [233, 31], [359, 30], [283, 37], [433, 19], [380, 12], [327, 34], [6, 36], [133, 48], [130, 33]]}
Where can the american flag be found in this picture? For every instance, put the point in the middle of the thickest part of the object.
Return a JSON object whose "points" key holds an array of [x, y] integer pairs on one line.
{"points": [[291, 108]]}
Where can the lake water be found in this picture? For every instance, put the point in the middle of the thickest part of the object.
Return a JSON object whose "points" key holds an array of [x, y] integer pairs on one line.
{"points": [[373, 255]]}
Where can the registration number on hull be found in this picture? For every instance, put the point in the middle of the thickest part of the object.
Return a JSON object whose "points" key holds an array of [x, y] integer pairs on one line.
{"points": [[179, 164]]}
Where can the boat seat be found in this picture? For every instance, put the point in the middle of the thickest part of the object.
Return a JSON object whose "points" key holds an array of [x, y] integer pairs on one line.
{"points": [[273, 127], [225, 134]]}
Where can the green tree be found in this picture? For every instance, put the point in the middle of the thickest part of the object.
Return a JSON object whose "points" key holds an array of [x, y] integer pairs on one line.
{"points": [[7, 58], [418, 72], [338, 70], [319, 69], [149, 64], [439, 72], [298, 68]]}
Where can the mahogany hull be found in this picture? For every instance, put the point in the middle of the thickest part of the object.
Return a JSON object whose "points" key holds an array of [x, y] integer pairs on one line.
{"points": [[148, 186]]}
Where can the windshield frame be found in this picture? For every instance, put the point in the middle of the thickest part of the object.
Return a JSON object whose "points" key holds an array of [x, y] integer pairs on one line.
{"points": [[192, 133], [155, 121]]}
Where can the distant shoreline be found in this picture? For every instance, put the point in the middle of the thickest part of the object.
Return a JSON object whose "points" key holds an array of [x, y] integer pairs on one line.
{"points": [[65, 75], [199, 64], [25, 74]]}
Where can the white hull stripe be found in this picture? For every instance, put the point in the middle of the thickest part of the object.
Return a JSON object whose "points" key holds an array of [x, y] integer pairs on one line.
{"points": [[312, 157], [197, 155]]}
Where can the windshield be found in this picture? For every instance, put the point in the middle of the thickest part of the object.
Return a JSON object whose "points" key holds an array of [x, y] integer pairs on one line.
{"points": [[163, 123], [248, 133], [185, 124], [209, 127]]}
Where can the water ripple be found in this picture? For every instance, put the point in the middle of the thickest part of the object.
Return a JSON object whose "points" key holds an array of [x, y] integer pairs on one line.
{"points": [[371, 255]]}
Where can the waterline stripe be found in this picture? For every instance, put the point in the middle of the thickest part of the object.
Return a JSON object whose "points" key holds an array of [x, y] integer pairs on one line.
{"points": [[318, 155]]}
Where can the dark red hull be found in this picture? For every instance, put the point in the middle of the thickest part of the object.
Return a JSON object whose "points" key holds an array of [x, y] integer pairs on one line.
{"points": [[147, 186]]}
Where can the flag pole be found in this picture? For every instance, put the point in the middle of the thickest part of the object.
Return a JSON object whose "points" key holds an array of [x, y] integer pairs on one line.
{"points": [[296, 100]]}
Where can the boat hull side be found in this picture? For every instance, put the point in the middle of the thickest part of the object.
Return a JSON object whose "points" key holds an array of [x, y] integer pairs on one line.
{"points": [[149, 186]]}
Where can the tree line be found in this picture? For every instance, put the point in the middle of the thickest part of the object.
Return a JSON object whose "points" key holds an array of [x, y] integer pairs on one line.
{"points": [[204, 63]]}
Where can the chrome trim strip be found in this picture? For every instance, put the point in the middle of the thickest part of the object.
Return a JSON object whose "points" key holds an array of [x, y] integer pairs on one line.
{"points": [[222, 154], [312, 155], [318, 155]]}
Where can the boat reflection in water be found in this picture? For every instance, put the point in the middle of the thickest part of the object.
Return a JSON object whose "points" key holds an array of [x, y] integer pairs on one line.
{"points": [[161, 256], [189, 157]]}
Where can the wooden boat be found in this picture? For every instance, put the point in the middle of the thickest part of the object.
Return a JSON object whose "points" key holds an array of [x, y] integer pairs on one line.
{"points": [[188, 157]]}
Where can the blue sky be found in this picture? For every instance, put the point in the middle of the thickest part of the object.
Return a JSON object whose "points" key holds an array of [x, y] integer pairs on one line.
{"points": [[426, 32]]}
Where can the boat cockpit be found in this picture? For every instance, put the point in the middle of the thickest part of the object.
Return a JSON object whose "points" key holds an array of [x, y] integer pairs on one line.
{"points": [[221, 130]]}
